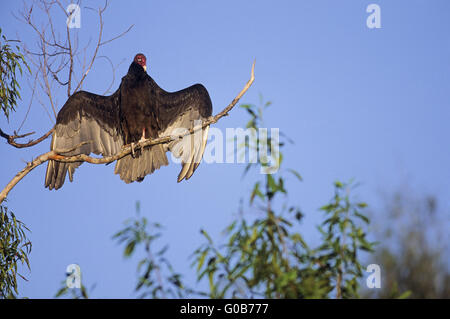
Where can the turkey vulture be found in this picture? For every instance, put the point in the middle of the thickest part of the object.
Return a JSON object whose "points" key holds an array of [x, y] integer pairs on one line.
{"points": [[138, 109]]}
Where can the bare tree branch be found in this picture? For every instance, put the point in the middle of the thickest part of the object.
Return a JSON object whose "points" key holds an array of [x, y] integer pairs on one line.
{"points": [[69, 81], [11, 139], [118, 36], [52, 56], [56, 154], [33, 90], [44, 67]]}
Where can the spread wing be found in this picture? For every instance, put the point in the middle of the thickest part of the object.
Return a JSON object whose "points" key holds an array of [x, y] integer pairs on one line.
{"points": [[180, 111], [85, 117], [102, 122]]}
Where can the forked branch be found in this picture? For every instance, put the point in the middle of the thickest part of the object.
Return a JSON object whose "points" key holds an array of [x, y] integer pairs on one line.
{"points": [[11, 139]]}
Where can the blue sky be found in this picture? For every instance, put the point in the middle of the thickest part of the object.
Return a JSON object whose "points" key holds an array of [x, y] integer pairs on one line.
{"points": [[369, 104]]}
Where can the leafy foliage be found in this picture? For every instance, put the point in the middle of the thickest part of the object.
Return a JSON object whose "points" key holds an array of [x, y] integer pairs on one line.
{"points": [[72, 293], [264, 255], [156, 277], [14, 248], [342, 239], [11, 61], [414, 255], [267, 257]]}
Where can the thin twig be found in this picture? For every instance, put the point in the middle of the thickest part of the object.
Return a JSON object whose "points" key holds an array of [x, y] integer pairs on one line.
{"points": [[11, 139], [31, 102], [118, 36], [99, 41]]}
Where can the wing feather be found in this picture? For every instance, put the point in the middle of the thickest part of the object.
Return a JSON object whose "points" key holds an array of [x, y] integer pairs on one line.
{"points": [[89, 118], [181, 111]]}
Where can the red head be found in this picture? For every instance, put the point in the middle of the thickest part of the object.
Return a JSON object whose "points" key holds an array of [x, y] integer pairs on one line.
{"points": [[141, 60]]}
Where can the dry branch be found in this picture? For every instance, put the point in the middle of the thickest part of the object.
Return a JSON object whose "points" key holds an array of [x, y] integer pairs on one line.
{"points": [[55, 54], [11, 139], [56, 154]]}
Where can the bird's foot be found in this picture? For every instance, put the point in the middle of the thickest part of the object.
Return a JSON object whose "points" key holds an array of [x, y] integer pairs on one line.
{"points": [[142, 139], [143, 136]]}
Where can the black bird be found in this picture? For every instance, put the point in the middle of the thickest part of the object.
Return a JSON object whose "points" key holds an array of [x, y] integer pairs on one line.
{"points": [[139, 109]]}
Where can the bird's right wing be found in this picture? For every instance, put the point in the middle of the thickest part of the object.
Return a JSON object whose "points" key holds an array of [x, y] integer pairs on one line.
{"points": [[85, 118]]}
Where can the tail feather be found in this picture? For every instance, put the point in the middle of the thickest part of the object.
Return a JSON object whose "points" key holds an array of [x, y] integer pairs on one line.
{"points": [[135, 169]]}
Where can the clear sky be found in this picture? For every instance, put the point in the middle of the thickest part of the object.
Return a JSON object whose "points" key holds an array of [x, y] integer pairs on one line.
{"points": [[370, 104]]}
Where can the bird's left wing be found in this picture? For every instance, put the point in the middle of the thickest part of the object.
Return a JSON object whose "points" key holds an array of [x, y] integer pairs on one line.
{"points": [[179, 112]]}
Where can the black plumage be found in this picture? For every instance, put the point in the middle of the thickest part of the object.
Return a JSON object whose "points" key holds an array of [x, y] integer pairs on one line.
{"points": [[138, 109]]}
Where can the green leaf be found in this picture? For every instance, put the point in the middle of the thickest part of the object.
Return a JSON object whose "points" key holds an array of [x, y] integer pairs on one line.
{"points": [[361, 216], [271, 183], [201, 260], [256, 192], [296, 174], [405, 295], [204, 233], [338, 184], [129, 248]]}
